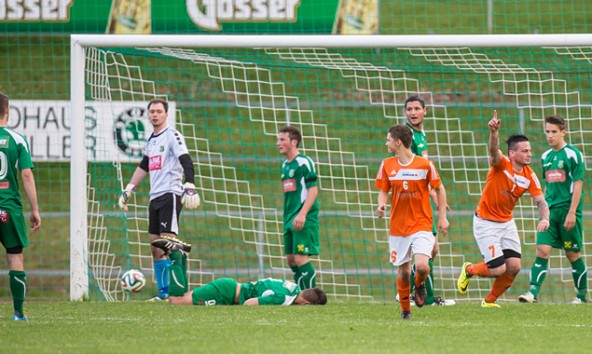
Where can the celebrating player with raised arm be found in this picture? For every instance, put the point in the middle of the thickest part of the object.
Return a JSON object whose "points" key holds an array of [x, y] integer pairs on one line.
{"points": [[409, 179], [494, 227], [167, 160], [563, 171]]}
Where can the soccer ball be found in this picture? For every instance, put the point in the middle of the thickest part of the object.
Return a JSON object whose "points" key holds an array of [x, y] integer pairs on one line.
{"points": [[133, 280]]}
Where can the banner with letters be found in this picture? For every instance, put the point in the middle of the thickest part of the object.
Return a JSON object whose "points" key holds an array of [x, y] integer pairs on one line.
{"points": [[115, 131], [190, 16]]}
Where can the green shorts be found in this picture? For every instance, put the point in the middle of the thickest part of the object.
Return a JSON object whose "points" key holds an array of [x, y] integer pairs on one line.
{"points": [[557, 236], [13, 230], [305, 241], [218, 292]]}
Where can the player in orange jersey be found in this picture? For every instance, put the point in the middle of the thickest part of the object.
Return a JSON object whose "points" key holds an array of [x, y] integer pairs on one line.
{"points": [[493, 225], [409, 177]]}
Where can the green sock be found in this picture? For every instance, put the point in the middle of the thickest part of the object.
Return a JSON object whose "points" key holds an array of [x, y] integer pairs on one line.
{"points": [[18, 287], [579, 276], [178, 274], [429, 284], [308, 277], [537, 275], [295, 272], [412, 278]]}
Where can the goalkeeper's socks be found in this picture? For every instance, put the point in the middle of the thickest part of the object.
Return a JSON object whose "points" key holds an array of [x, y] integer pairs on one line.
{"points": [[578, 272], [499, 287], [18, 287], [161, 273], [295, 272], [308, 276], [404, 291], [537, 275]]}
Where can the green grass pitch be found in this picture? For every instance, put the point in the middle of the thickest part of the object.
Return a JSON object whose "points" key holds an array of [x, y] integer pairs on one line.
{"points": [[139, 327]]}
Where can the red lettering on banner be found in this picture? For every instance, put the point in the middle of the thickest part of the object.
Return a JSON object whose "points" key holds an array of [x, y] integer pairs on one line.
{"points": [[555, 176], [155, 163], [289, 185]]}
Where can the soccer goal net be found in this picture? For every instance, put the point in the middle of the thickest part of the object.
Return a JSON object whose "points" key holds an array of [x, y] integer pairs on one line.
{"points": [[229, 97]]}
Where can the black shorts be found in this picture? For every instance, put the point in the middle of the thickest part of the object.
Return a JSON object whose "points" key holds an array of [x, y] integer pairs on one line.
{"points": [[163, 214]]}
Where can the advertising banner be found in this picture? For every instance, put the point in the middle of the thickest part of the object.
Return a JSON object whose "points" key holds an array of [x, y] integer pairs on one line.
{"points": [[115, 131], [190, 16]]}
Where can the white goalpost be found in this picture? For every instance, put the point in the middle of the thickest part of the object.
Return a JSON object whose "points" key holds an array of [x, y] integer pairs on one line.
{"points": [[230, 94]]}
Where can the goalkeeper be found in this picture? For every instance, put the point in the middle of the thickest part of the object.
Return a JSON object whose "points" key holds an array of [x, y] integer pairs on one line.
{"points": [[166, 159], [227, 291]]}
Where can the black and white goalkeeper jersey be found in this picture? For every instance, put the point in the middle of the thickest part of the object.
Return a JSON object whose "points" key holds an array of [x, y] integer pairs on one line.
{"points": [[163, 151]]}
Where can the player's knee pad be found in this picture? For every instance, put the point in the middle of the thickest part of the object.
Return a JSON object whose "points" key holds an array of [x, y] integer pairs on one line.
{"points": [[15, 250]]}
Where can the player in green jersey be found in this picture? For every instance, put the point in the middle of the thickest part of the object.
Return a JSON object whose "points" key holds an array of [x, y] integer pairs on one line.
{"points": [[563, 171], [15, 155], [415, 110], [301, 208], [227, 291]]}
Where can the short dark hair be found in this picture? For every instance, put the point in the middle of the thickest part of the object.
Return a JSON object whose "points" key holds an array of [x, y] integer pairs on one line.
{"points": [[315, 296], [159, 100], [556, 120], [3, 104], [403, 133], [513, 140], [293, 132], [414, 99]]}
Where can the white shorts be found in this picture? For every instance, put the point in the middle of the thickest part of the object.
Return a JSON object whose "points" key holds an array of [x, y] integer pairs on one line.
{"points": [[402, 248], [495, 237]]}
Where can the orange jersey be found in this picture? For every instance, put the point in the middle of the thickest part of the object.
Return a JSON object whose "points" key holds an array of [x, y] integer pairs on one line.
{"points": [[503, 188], [411, 211]]}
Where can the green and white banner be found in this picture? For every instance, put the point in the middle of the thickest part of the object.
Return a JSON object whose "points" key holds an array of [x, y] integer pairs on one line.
{"points": [[190, 16]]}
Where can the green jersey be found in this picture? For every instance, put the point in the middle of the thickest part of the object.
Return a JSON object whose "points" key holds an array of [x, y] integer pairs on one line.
{"points": [[270, 292], [298, 176], [560, 170], [15, 155], [419, 145]]}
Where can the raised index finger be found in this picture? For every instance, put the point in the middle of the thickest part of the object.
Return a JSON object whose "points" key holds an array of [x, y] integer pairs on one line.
{"points": [[495, 114]]}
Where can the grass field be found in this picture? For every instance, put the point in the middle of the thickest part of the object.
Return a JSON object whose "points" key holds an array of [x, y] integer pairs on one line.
{"points": [[138, 327]]}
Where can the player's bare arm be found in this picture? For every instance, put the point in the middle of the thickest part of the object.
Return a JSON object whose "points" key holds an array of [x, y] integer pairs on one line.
{"points": [[543, 212], [570, 219], [252, 302], [382, 200], [442, 209], [300, 219], [495, 154], [29, 185]]}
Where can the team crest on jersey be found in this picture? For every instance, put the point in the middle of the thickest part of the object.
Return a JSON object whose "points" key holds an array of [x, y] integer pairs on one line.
{"points": [[291, 173], [3, 143], [561, 164], [129, 131]]}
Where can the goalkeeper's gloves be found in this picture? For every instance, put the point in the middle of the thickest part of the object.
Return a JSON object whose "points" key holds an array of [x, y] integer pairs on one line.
{"points": [[125, 196], [190, 198]]}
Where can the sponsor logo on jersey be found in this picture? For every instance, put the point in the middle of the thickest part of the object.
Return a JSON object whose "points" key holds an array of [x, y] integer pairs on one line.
{"points": [[289, 185], [3, 216], [155, 163], [129, 131], [4, 185], [553, 176]]}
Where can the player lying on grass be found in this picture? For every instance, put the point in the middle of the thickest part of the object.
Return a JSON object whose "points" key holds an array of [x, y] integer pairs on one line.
{"points": [[227, 291]]}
